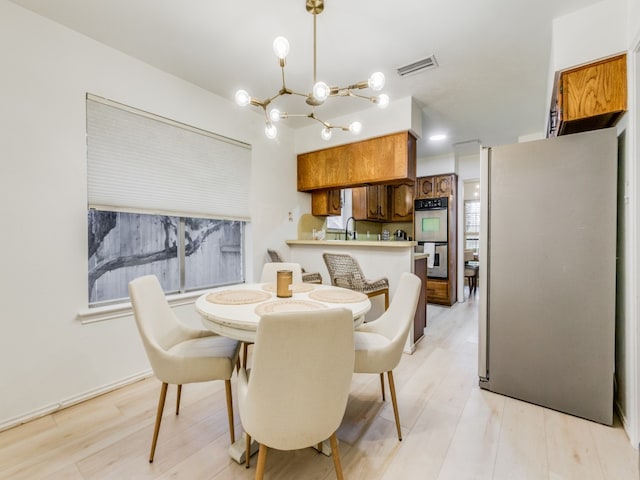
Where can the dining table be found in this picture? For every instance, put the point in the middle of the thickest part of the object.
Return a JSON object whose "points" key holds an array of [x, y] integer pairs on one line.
{"points": [[234, 311]]}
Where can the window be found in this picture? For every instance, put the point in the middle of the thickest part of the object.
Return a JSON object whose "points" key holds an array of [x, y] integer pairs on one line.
{"points": [[472, 225], [164, 199], [124, 246]]}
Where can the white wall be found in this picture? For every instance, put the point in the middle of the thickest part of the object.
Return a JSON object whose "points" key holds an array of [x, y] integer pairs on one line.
{"points": [[436, 165], [590, 33], [48, 357]]}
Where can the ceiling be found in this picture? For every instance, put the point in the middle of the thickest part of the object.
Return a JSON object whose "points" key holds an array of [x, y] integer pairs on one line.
{"points": [[493, 55]]}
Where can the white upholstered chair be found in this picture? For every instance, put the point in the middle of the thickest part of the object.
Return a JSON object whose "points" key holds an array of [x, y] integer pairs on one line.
{"points": [[270, 275], [179, 354], [270, 270], [296, 393], [379, 343]]}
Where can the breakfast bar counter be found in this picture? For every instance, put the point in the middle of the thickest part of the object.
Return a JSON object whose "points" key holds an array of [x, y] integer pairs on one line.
{"points": [[376, 258]]}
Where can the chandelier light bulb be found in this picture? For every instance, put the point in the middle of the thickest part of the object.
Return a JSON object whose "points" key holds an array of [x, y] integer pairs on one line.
{"points": [[326, 133], [355, 128], [382, 100], [376, 81], [274, 115], [243, 98], [271, 131], [321, 91], [281, 47]]}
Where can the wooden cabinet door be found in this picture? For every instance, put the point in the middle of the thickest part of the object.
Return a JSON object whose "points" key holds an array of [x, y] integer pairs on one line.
{"points": [[443, 186], [383, 202], [326, 202], [373, 207], [426, 187], [401, 199], [370, 203], [594, 89]]}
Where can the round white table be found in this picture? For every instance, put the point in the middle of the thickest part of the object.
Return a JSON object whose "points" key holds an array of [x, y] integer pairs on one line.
{"points": [[234, 311]]}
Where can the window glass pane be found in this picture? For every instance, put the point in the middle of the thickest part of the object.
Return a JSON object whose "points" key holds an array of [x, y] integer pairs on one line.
{"points": [[213, 253], [472, 216], [123, 246]]}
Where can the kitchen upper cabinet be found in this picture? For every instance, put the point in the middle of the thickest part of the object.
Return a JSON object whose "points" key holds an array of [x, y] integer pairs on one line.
{"points": [[326, 202], [589, 97], [401, 202], [370, 203], [383, 160], [436, 186]]}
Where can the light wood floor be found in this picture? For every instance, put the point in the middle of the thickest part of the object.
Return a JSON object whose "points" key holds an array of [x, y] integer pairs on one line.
{"points": [[452, 430]]}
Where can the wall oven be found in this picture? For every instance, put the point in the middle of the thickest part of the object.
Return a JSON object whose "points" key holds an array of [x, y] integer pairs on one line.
{"points": [[430, 220], [432, 233]]}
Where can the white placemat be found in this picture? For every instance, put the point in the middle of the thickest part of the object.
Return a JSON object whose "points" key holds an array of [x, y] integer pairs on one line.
{"points": [[337, 296], [288, 305], [238, 297]]}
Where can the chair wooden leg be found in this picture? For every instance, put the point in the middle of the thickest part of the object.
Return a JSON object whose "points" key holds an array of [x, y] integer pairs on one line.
{"points": [[245, 353], [247, 450], [392, 389], [335, 453], [382, 386], [232, 433], [262, 459], [163, 396], [179, 394]]}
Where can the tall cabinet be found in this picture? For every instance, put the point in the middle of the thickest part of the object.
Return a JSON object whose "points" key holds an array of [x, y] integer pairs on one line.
{"points": [[443, 291]]}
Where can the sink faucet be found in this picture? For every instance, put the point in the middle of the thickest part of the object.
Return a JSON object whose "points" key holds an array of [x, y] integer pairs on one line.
{"points": [[346, 229]]}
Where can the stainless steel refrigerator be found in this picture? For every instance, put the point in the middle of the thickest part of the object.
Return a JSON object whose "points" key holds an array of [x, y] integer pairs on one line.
{"points": [[547, 285]]}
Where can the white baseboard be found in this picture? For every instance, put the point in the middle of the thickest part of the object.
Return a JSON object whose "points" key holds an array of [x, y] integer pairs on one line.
{"points": [[48, 409], [625, 424]]}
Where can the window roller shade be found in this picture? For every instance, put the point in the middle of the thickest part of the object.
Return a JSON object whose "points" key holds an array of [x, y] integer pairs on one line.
{"points": [[145, 163]]}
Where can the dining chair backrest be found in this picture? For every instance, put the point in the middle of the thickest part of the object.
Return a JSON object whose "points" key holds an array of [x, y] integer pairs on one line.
{"points": [[395, 322], [158, 326], [301, 376], [344, 270], [270, 271], [274, 255]]}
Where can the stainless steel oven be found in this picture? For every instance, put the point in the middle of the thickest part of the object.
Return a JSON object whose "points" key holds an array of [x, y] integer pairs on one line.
{"points": [[431, 231], [430, 220]]}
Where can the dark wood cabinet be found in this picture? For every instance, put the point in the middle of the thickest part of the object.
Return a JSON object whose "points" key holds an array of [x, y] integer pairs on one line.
{"points": [[420, 319], [401, 202], [436, 186], [326, 202], [371, 203], [589, 97], [443, 291]]}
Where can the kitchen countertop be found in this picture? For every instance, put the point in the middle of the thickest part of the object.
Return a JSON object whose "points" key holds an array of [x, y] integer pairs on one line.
{"points": [[357, 243]]}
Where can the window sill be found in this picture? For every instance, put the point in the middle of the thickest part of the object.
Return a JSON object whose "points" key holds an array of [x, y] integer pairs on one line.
{"points": [[110, 312]]}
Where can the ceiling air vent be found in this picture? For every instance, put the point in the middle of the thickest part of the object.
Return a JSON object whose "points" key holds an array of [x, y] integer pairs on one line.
{"points": [[418, 67]]}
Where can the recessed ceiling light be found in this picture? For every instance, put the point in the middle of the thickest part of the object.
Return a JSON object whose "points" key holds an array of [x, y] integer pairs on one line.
{"points": [[437, 137]]}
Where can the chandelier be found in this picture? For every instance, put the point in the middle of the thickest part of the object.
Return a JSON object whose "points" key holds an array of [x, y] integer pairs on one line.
{"points": [[319, 93]]}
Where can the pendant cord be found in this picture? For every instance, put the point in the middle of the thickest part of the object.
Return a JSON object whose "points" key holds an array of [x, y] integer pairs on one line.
{"points": [[314, 48]]}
